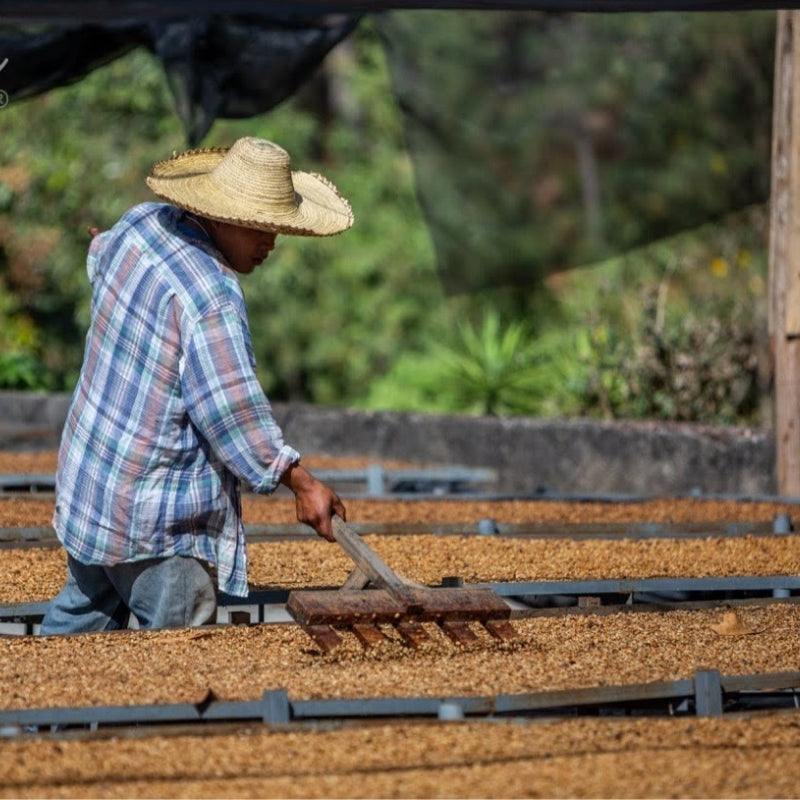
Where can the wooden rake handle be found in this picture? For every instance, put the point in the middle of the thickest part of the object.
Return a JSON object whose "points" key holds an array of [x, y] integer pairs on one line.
{"points": [[368, 562]]}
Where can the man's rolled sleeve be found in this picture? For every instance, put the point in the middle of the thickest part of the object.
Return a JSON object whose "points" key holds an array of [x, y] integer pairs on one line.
{"points": [[227, 404]]}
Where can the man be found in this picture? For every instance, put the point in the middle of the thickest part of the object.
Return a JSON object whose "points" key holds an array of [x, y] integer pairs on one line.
{"points": [[168, 418]]}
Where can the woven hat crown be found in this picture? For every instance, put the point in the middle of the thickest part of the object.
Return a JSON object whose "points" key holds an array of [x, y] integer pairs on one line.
{"points": [[257, 171], [252, 184]]}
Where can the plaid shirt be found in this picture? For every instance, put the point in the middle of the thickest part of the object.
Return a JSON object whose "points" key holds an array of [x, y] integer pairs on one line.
{"points": [[167, 417]]}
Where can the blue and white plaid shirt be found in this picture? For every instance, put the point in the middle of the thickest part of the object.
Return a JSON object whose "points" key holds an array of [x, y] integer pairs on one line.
{"points": [[168, 416]]}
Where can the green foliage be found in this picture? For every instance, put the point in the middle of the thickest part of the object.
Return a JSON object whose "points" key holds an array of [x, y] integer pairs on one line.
{"points": [[71, 158], [677, 330], [327, 315], [546, 141], [695, 371], [22, 371], [674, 330], [490, 369], [330, 315]]}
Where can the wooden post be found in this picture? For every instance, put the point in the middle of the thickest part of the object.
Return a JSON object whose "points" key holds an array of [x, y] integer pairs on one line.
{"points": [[784, 252]]}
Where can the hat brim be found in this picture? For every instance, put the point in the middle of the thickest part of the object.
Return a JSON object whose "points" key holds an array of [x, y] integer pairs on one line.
{"points": [[184, 180]]}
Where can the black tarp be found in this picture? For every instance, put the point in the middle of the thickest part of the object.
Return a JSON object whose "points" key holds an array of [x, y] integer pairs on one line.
{"points": [[229, 67], [108, 10]]}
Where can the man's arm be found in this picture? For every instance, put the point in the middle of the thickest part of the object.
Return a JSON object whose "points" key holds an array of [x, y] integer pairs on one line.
{"points": [[315, 501]]}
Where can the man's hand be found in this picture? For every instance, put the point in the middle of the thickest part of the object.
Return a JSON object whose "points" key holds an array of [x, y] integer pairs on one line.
{"points": [[315, 501]]}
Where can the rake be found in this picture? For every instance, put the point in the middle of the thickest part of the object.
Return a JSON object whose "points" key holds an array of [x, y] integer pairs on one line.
{"points": [[391, 600]]}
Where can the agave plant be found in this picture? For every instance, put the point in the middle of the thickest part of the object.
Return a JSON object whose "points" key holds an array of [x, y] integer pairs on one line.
{"points": [[489, 369]]}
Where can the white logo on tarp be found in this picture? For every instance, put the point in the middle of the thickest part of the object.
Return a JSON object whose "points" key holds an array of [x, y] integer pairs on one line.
{"points": [[3, 95]]}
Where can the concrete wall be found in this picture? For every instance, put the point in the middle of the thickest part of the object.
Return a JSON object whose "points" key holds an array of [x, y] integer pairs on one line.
{"points": [[530, 455]]}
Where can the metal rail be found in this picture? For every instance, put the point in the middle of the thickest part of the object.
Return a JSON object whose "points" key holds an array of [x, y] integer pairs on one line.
{"points": [[27, 482], [455, 482], [376, 480], [706, 694], [44, 535], [737, 583], [521, 595]]}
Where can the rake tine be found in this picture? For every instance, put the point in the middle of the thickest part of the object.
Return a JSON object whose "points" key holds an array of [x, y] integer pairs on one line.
{"points": [[369, 635], [458, 631], [325, 636], [500, 628], [413, 633]]}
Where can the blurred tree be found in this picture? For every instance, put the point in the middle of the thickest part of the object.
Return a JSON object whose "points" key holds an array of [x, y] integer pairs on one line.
{"points": [[327, 314], [543, 141]]}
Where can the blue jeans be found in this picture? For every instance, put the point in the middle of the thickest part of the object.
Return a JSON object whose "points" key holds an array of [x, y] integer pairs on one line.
{"points": [[171, 592]]}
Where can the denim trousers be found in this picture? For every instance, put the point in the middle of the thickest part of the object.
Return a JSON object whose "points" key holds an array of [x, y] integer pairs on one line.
{"points": [[170, 592]]}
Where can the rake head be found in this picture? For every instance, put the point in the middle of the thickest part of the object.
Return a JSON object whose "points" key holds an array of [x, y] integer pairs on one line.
{"points": [[394, 601], [322, 612]]}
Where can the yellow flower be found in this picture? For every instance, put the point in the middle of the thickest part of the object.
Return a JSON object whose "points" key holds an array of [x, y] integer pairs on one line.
{"points": [[719, 267]]}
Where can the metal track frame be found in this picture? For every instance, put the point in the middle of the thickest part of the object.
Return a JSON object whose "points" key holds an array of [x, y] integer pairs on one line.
{"points": [[707, 694], [675, 591], [44, 535]]}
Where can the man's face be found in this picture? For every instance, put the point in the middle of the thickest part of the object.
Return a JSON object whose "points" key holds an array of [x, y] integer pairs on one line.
{"points": [[244, 248]]}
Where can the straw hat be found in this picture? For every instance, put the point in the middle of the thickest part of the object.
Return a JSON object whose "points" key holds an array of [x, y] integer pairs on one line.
{"points": [[252, 185]]}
